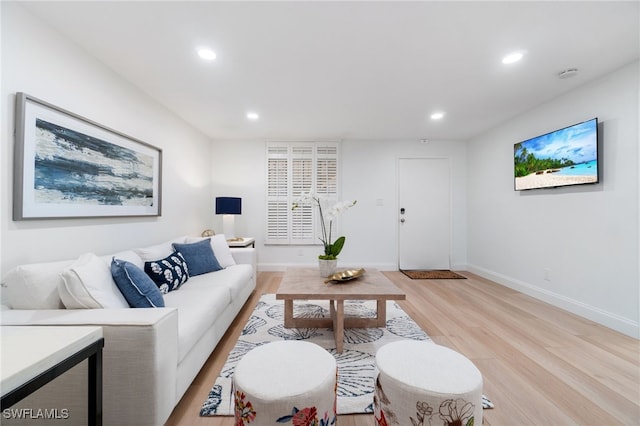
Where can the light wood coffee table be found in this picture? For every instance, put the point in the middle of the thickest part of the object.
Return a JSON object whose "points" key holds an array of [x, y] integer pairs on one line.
{"points": [[307, 284]]}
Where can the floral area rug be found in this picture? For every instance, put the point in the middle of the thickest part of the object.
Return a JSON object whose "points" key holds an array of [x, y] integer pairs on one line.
{"points": [[356, 363]]}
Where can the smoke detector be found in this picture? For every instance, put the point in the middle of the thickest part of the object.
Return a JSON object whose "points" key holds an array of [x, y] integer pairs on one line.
{"points": [[569, 72]]}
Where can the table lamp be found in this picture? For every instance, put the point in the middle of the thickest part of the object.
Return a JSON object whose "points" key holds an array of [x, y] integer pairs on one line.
{"points": [[228, 207]]}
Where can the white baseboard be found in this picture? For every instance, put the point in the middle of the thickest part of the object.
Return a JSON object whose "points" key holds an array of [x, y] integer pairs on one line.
{"points": [[458, 267], [616, 322], [281, 267]]}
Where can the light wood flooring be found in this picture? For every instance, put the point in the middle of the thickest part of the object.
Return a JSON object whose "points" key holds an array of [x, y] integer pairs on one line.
{"points": [[540, 364]]}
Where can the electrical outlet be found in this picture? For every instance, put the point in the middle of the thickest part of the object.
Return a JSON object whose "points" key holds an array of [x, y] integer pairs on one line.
{"points": [[547, 274]]}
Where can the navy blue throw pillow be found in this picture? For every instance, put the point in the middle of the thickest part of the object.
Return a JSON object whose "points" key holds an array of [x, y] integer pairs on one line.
{"points": [[168, 273], [199, 257], [136, 286]]}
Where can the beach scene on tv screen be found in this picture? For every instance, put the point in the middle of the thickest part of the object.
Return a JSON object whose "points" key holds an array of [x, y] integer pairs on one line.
{"points": [[567, 156]]}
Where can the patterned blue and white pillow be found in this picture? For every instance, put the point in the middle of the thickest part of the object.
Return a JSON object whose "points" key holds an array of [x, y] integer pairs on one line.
{"points": [[168, 273]]}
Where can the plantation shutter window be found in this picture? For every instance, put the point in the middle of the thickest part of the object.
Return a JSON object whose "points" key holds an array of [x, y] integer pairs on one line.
{"points": [[277, 193], [327, 172], [293, 169]]}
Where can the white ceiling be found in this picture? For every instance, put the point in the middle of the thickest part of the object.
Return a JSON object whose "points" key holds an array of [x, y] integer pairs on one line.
{"points": [[351, 70]]}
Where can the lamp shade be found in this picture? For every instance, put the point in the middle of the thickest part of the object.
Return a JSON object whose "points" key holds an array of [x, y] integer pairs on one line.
{"points": [[228, 205]]}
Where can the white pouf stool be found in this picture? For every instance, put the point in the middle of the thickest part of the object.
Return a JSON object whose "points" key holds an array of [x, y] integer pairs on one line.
{"points": [[283, 382], [423, 383]]}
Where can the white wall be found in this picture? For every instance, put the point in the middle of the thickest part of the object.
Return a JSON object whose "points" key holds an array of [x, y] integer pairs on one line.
{"points": [[2, 167], [587, 236], [369, 173], [40, 62]]}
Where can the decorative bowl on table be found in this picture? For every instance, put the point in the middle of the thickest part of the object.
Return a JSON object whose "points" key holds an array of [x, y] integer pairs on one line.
{"points": [[344, 276]]}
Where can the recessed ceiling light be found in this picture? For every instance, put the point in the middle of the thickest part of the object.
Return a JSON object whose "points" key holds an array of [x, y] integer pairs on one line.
{"points": [[437, 115], [570, 72], [252, 116], [512, 58], [206, 54]]}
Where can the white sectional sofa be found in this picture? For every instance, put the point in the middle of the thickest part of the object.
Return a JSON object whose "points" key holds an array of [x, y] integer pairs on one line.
{"points": [[151, 355]]}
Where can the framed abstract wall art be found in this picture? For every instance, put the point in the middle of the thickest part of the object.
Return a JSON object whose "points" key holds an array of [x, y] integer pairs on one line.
{"points": [[66, 166]]}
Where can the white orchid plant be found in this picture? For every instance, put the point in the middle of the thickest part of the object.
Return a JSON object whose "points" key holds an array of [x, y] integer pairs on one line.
{"points": [[331, 249]]}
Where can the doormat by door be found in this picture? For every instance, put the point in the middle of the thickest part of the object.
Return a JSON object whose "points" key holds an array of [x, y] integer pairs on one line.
{"points": [[433, 275]]}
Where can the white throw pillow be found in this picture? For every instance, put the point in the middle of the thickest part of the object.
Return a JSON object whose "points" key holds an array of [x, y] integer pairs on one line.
{"points": [[128, 255], [88, 284], [158, 251], [34, 286], [220, 249]]}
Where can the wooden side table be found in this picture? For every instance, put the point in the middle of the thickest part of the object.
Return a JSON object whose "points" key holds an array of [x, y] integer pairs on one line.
{"points": [[32, 356], [242, 242]]}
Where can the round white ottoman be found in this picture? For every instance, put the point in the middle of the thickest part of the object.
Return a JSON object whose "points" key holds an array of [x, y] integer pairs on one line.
{"points": [[422, 383], [288, 381]]}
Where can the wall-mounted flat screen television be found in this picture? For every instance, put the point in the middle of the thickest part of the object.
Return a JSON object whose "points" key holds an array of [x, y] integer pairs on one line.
{"points": [[567, 156]]}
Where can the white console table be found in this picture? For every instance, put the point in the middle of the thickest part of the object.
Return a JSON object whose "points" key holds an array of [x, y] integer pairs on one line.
{"points": [[32, 356]]}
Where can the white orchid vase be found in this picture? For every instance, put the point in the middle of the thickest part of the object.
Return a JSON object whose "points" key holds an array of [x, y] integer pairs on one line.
{"points": [[327, 215]]}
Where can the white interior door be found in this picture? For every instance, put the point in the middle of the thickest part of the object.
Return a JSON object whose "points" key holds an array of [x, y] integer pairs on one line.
{"points": [[424, 215]]}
